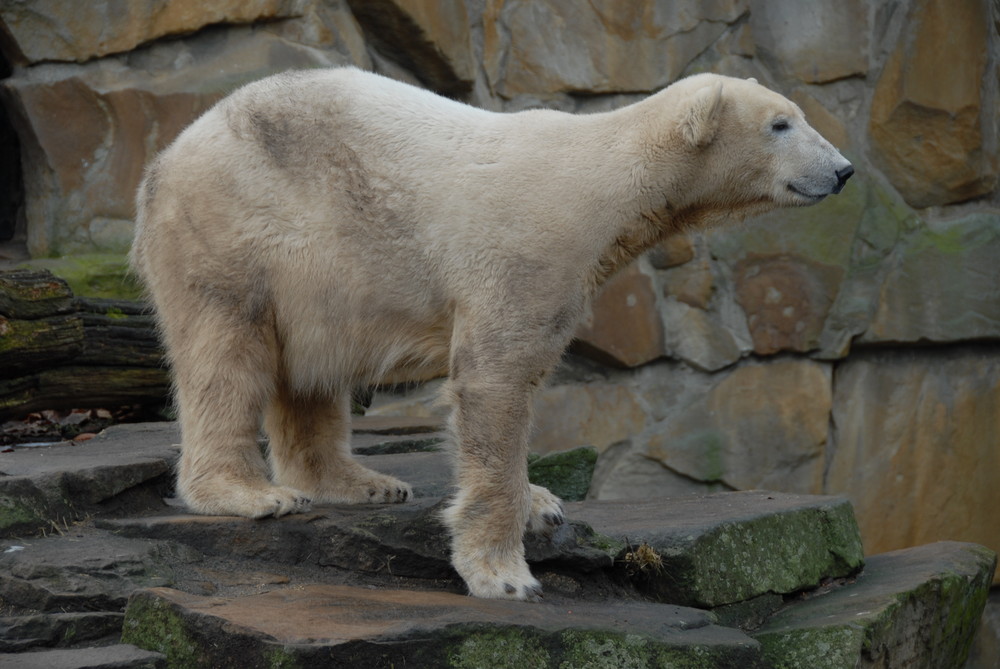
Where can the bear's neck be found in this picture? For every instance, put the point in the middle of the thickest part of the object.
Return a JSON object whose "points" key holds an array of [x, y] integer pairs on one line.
{"points": [[645, 202]]}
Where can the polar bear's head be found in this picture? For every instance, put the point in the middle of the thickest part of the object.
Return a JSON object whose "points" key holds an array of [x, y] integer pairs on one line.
{"points": [[751, 147]]}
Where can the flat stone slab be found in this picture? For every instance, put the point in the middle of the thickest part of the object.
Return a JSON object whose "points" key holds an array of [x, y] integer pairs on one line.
{"points": [[346, 626], [56, 629], [126, 468], [404, 540], [916, 607], [85, 570], [713, 550], [120, 656]]}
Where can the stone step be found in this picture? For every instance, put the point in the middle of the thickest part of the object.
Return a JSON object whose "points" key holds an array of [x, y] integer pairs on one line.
{"points": [[719, 549], [119, 656], [372, 582], [916, 607], [125, 469], [327, 625], [18, 633]]}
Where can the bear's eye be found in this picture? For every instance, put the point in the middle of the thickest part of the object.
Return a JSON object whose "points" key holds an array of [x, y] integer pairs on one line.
{"points": [[781, 125]]}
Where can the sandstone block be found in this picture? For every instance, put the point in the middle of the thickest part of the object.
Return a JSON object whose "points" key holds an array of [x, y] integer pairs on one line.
{"points": [[916, 447], [786, 299], [692, 283], [48, 30], [600, 47], [571, 414], [942, 284], [429, 38], [759, 426], [698, 337], [672, 251], [624, 328], [814, 42], [87, 131], [929, 121]]}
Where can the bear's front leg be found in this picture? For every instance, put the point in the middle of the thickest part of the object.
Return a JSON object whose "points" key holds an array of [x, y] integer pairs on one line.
{"points": [[490, 512]]}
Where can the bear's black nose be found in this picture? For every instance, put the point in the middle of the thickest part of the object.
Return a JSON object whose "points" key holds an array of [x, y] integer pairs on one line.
{"points": [[843, 174]]}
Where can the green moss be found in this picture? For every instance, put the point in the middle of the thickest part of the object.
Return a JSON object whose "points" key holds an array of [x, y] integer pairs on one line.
{"points": [[150, 623], [567, 474], [16, 513], [835, 647], [93, 274], [509, 648], [279, 657], [604, 650], [612, 547], [30, 336]]}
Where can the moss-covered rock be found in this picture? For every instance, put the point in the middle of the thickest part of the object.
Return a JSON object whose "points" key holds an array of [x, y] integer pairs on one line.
{"points": [[917, 607], [361, 627], [714, 550], [567, 474]]}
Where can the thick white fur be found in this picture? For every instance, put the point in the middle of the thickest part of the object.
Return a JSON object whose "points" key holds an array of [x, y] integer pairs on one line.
{"points": [[320, 230]]}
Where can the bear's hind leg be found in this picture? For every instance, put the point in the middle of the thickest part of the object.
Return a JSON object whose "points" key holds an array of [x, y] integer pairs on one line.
{"points": [[224, 375], [310, 450]]}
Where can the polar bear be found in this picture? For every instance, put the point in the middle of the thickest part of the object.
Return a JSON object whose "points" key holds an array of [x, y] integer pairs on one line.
{"points": [[322, 230]]}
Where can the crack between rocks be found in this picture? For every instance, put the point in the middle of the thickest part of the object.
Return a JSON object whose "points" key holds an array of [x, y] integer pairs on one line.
{"points": [[689, 477]]}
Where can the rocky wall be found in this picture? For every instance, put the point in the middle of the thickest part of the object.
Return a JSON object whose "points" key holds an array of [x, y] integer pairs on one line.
{"points": [[848, 348]]}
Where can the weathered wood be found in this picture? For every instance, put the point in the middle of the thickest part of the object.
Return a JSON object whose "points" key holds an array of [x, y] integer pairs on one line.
{"points": [[61, 352], [32, 345], [30, 294], [118, 332], [81, 387]]}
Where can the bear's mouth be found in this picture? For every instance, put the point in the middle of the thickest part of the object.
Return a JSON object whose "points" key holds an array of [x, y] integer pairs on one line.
{"points": [[808, 196]]}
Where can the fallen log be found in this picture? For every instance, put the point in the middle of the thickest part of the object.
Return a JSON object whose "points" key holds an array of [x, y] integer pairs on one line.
{"points": [[58, 351]]}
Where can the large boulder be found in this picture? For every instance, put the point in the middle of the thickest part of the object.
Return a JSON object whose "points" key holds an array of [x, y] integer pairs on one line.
{"points": [[52, 30], [815, 42], [542, 48], [86, 131], [915, 446], [932, 126]]}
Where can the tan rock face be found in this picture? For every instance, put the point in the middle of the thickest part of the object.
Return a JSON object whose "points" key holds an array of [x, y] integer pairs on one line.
{"points": [[916, 447], [603, 46], [760, 427], [46, 30], [816, 41], [927, 115], [429, 37], [786, 299], [592, 414], [87, 131], [625, 328], [942, 285]]}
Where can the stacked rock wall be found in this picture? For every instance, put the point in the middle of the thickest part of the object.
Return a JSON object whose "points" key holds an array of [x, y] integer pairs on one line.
{"points": [[848, 348]]}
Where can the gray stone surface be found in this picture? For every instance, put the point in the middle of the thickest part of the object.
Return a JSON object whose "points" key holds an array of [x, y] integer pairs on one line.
{"points": [[57, 629], [916, 607], [125, 468], [361, 627], [720, 549], [83, 569], [119, 656], [371, 585]]}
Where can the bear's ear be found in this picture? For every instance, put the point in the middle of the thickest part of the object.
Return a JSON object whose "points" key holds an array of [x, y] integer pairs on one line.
{"points": [[702, 117]]}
